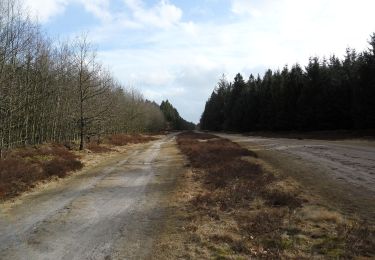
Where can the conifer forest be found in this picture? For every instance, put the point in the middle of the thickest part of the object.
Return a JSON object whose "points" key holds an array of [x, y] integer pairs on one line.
{"points": [[327, 94]]}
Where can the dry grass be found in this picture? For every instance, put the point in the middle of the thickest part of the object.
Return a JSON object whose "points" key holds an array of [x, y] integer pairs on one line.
{"points": [[205, 154], [21, 169], [124, 139], [357, 239], [319, 214], [232, 206], [109, 142], [97, 148]]}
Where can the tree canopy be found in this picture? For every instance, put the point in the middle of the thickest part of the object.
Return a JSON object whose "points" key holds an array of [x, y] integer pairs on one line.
{"points": [[325, 95], [54, 92], [173, 118]]}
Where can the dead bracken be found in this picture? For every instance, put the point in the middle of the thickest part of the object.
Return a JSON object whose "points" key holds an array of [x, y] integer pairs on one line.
{"points": [[22, 168]]}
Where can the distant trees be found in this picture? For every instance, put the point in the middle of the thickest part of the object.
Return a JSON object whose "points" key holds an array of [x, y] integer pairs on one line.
{"points": [[173, 118], [59, 91], [327, 94]]}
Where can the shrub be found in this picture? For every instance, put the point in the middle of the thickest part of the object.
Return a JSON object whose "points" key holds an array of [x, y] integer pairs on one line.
{"points": [[60, 167], [16, 174], [22, 168], [358, 238], [95, 148], [124, 139], [276, 198]]}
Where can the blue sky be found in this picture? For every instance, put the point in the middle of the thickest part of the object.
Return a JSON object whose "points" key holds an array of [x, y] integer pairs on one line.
{"points": [[178, 49]]}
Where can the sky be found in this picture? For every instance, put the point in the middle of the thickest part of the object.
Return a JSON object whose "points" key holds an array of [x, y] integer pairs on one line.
{"points": [[179, 49]]}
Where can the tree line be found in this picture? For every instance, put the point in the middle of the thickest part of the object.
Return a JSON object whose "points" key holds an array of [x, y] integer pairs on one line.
{"points": [[325, 95], [56, 91], [173, 118]]}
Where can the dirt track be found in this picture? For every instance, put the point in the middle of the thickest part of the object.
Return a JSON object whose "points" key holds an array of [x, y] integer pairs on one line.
{"points": [[341, 172], [111, 212], [117, 209]]}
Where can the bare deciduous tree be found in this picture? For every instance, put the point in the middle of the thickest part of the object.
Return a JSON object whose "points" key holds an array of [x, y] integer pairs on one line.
{"points": [[59, 91]]}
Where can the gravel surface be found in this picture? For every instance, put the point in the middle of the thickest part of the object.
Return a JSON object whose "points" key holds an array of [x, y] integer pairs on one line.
{"points": [[113, 211]]}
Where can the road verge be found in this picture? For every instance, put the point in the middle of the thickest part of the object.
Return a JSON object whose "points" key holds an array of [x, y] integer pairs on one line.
{"points": [[232, 204]]}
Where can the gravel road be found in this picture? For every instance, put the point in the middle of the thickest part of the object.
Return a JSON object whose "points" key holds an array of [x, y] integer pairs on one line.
{"points": [[343, 172], [111, 212], [116, 210]]}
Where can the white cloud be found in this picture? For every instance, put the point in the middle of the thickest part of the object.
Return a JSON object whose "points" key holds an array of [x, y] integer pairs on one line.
{"points": [[191, 56], [163, 14], [99, 8], [43, 10], [245, 7], [153, 48]]}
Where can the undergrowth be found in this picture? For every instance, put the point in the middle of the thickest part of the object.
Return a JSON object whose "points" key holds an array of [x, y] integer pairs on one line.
{"points": [[22, 168], [97, 148], [124, 139], [237, 189]]}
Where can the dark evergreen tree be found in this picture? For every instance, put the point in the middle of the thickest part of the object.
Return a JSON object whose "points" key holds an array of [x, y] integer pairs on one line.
{"points": [[235, 104], [173, 118], [328, 94]]}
